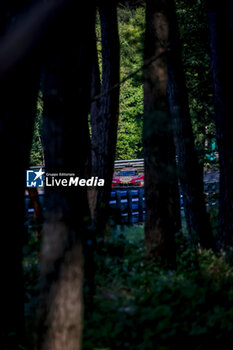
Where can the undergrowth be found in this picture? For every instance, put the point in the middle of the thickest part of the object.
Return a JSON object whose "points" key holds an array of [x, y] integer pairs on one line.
{"points": [[142, 305]]}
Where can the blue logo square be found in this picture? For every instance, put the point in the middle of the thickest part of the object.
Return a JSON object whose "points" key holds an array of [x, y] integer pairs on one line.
{"points": [[35, 178]]}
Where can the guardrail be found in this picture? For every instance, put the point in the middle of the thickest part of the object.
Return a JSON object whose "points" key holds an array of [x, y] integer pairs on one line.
{"points": [[209, 177], [130, 203], [118, 164], [135, 163], [127, 205]]}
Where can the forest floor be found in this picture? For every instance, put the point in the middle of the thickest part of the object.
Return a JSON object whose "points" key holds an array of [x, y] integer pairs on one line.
{"points": [[141, 304]]}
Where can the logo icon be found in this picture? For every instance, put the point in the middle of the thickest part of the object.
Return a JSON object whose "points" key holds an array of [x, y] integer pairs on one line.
{"points": [[35, 178]]}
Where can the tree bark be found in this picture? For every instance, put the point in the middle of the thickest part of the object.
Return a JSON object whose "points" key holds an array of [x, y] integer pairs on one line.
{"points": [[161, 185], [18, 100], [38, 210], [66, 94], [104, 113], [95, 121], [220, 17], [189, 171]]}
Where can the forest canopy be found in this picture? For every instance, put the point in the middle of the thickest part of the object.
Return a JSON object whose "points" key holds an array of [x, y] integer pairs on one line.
{"points": [[193, 26]]}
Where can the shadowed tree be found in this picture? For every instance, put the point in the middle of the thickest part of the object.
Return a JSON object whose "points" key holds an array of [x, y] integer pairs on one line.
{"points": [[66, 79], [95, 120], [18, 96], [104, 112], [220, 17], [21, 28], [161, 185], [189, 171]]}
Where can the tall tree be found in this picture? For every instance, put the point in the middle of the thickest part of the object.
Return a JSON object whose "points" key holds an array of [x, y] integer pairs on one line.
{"points": [[188, 168], [18, 96], [104, 111], [66, 79], [21, 28], [220, 17], [161, 185]]}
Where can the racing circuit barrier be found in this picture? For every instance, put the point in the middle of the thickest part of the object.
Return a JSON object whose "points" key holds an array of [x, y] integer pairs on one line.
{"points": [[129, 203], [139, 165], [118, 165], [135, 163], [126, 205]]}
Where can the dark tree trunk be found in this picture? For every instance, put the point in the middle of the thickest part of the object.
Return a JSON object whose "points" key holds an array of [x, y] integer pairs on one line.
{"points": [[66, 93], [96, 123], [188, 168], [104, 113], [220, 16], [18, 99], [38, 210], [161, 185]]}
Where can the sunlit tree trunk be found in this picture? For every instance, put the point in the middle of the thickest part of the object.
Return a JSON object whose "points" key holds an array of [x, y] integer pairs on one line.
{"points": [[189, 171], [161, 185], [66, 94], [220, 15], [104, 112]]}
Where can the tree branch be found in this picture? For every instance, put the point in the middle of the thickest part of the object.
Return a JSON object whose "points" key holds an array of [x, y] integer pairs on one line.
{"points": [[131, 75]]}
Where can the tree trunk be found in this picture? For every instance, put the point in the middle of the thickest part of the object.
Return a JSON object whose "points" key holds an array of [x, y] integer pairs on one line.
{"points": [[161, 185], [104, 114], [38, 210], [66, 93], [188, 168], [96, 123], [221, 45], [18, 99]]}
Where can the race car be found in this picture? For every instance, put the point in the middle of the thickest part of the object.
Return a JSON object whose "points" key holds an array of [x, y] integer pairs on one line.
{"points": [[128, 177]]}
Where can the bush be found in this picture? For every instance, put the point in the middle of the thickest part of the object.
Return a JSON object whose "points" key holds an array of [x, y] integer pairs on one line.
{"points": [[141, 305]]}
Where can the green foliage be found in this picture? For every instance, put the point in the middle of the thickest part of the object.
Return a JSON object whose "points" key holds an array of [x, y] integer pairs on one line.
{"points": [[140, 304], [131, 32], [194, 34], [129, 138], [192, 17], [37, 152]]}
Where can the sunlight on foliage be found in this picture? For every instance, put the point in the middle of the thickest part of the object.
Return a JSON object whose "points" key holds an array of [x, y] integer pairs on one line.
{"points": [[131, 32], [37, 152]]}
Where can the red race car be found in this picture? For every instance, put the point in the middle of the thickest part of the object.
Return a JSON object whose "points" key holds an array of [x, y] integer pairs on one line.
{"points": [[128, 177]]}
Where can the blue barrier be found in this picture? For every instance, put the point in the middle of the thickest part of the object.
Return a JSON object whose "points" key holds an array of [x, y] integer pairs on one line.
{"points": [[130, 202]]}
